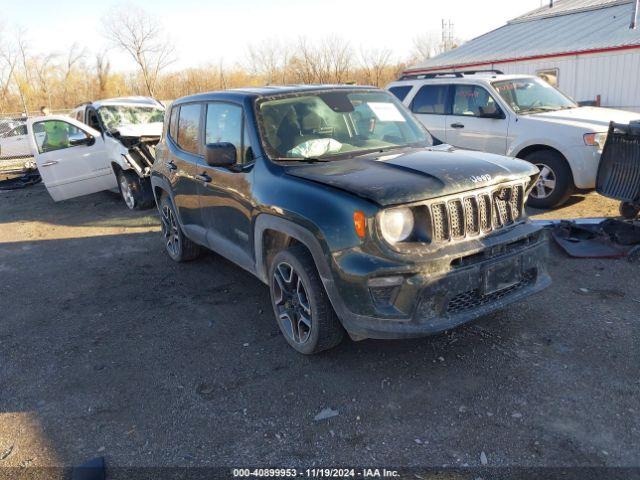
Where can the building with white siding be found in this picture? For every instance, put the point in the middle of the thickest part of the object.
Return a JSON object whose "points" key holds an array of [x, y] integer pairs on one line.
{"points": [[590, 49]]}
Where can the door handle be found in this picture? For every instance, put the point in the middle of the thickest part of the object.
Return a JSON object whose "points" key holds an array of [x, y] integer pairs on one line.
{"points": [[203, 177], [48, 164], [457, 125], [172, 166]]}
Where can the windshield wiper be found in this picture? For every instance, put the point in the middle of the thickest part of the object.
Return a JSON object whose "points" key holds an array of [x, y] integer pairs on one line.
{"points": [[301, 159], [538, 109]]}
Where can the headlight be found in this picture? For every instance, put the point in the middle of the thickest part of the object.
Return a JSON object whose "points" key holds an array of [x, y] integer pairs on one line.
{"points": [[396, 224], [596, 140]]}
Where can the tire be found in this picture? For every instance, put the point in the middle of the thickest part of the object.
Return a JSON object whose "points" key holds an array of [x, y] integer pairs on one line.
{"points": [[555, 185], [298, 293], [176, 244], [629, 211], [135, 191]]}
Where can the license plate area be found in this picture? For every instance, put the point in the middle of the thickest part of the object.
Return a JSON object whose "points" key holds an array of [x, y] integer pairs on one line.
{"points": [[502, 275]]}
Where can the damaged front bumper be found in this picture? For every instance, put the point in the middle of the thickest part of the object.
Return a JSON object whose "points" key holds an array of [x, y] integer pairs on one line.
{"points": [[375, 299]]}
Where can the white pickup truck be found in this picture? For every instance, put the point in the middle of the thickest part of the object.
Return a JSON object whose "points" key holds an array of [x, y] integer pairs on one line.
{"points": [[515, 115], [104, 145]]}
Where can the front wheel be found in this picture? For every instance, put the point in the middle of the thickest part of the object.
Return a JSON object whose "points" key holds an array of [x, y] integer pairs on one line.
{"points": [[555, 184], [135, 191], [303, 311]]}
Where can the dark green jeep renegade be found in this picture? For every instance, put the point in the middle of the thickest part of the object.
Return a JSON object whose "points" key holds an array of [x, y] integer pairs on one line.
{"points": [[337, 199]]}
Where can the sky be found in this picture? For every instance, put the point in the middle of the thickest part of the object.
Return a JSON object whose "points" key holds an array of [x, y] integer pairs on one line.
{"points": [[212, 31]]}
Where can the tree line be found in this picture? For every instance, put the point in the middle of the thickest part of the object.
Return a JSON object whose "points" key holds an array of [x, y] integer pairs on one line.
{"points": [[30, 80]]}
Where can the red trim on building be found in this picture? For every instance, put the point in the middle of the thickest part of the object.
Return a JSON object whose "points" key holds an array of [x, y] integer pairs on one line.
{"points": [[521, 59]]}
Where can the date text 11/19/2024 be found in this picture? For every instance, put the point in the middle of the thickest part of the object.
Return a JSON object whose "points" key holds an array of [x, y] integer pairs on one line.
{"points": [[315, 473]]}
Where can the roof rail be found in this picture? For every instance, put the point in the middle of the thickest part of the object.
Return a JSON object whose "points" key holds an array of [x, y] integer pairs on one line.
{"points": [[422, 76]]}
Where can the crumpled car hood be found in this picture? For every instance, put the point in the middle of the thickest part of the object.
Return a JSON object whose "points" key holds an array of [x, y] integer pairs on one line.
{"points": [[416, 174], [141, 130]]}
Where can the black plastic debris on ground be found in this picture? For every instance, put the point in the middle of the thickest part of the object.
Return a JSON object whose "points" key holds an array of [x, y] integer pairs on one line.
{"points": [[23, 181], [610, 238]]}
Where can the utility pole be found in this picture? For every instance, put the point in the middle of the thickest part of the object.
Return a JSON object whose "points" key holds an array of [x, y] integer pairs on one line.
{"points": [[447, 35]]}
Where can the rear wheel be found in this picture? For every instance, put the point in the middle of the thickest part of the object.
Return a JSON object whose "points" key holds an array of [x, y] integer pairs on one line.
{"points": [[304, 313], [177, 245], [135, 191], [555, 184]]}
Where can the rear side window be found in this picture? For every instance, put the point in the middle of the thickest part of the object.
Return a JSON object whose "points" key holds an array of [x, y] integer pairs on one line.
{"points": [[189, 128], [401, 92], [173, 123], [431, 99]]}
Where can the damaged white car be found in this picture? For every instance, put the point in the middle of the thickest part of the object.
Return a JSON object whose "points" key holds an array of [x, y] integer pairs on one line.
{"points": [[104, 145]]}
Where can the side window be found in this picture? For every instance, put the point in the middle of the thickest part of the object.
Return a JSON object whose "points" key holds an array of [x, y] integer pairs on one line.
{"points": [[473, 101], [80, 116], [401, 92], [224, 124], [173, 124], [431, 99], [189, 128], [57, 135]]}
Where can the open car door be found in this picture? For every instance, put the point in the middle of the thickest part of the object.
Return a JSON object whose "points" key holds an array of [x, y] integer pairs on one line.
{"points": [[71, 157]]}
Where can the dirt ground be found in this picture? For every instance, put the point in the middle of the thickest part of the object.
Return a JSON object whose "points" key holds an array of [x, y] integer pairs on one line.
{"points": [[108, 348]]}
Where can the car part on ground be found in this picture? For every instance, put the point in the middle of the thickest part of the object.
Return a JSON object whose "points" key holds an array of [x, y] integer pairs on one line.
{"points": [[337, 199], [19, 182], [610, 238], [619, 170]]}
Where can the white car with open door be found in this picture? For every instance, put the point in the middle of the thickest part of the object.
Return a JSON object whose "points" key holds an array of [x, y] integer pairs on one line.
{"points": [[72, 157], [515, 115], [104, 145]]}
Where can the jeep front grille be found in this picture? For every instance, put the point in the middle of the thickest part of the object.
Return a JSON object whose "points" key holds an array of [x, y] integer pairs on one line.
{"points": [[478, 212]]}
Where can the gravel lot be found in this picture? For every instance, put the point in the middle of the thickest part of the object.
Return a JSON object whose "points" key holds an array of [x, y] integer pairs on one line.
{"points": [[107, 348]]}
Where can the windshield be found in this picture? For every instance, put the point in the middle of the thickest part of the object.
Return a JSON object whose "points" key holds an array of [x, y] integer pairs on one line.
{"points": [[336, 124], [114, 116], [531, 95]]}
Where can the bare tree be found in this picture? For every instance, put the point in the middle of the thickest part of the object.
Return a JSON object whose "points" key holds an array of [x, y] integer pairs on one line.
{"points": [[43, 67], [337, 56], [74, 57], [141, 35], [374, 62], [8, 63], [305, 62], [269, 59], [425, 46], [103, 69]]}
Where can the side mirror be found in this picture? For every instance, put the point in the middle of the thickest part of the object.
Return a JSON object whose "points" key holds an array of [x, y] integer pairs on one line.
{"points": [[88, 141], [221, 154]]}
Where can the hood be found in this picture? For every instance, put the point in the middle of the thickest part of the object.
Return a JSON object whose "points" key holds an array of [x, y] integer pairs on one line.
{"points": [[140, 130], [416, 174], [593, 119]]}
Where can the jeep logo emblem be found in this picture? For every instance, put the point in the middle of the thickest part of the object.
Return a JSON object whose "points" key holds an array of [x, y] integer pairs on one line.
{"points": [[480, 178]]}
